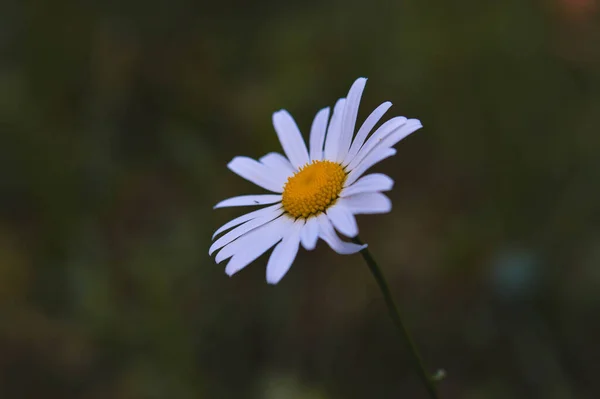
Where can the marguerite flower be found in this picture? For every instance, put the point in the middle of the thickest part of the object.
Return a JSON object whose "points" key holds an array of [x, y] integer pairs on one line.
{"points": [[317, 190]]}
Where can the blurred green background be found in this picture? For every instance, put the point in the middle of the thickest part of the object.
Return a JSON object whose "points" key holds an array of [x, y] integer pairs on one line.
{"points": [[117, 120]]}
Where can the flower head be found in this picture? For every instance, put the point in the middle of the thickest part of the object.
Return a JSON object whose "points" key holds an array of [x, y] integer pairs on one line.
{"points": [[318, 190]]}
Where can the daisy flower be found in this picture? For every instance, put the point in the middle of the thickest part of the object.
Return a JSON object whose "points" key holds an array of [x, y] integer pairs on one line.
{"points": [[317, 190]]}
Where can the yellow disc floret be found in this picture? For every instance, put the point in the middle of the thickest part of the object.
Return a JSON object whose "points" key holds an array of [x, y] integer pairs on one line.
{"points": [[314, 188]]}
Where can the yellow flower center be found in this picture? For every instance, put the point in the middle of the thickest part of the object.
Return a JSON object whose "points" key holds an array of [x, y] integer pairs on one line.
{"points": [[314, 188]]}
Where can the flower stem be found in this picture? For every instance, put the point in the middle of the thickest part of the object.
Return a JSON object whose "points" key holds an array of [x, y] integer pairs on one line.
{"points": [[395, 315]]}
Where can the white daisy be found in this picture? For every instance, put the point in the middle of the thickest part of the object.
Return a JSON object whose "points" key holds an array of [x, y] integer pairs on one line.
{"points": [[317, 190]]}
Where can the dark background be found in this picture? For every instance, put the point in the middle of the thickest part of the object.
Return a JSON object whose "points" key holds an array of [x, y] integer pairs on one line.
{"points": [[117, 120]]}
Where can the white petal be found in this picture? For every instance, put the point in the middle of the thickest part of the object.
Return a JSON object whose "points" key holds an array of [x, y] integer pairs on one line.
{"points": [[384, 130], [290, 138], [243, 229], [327, 233], [392, 139], [380, 150], [367, 203], [245, 218], [310, 234], [234, 247], [284, 254], [411, 126], [247, 200], [278, 165], [256, 173], [365, 129], [349, 118], [343, 220], [374, 157], [368, 184], [332, 141], [317, 134], [257, 243], [241, 244]]}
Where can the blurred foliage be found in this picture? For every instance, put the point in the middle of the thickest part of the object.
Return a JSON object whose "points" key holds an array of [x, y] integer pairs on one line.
{"points": [[117, 121]]}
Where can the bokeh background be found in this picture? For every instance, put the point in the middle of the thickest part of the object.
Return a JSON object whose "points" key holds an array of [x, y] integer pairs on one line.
{"points": [[117, 120]]}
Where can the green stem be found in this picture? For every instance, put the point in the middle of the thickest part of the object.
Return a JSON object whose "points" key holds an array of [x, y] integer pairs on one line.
{"points": [[395, 315]]}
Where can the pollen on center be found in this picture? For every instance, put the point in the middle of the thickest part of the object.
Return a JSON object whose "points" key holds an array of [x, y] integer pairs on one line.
{"points": [[314, 188]]}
